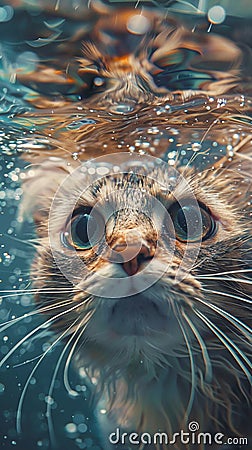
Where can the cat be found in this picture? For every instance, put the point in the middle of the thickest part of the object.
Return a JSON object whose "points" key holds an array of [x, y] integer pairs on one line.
{"points": [[171, 347]]}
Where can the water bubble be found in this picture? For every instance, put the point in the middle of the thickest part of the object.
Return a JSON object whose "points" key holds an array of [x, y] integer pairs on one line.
{"points": [[80, 388], [153, 130], [49, 400], [71, 428], [216, 14], [138, 24], [78, 418], [2, 388], [196, 146], [79, 123], [27, 62], [102, 170], [161, 110], [82, 428], [98, 81], [6, 13], [75, 156], [122, 108]]}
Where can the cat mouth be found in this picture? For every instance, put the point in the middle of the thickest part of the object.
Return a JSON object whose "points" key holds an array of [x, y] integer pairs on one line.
{"points": [[137, 315]]}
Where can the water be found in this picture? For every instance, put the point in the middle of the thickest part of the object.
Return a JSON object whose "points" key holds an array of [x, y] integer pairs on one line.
{"points": [[189, 97]]}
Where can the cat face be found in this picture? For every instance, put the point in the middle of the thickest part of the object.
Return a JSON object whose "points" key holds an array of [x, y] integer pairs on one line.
{"points": [[141, 255]]}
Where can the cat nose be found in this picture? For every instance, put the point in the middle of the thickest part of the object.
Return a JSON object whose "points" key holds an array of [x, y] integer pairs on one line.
{"points": [[132, 265]]}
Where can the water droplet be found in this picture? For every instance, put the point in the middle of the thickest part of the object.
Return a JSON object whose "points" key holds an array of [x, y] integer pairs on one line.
{"points": [[160, 111], [216, 14], [71, 428], [82, 428], [6, 13], [102, 170], [27, 62], [122, 108], [196, 146], [78, 418], [153, 130], [138, 24], [98, 81], [79, 123]]}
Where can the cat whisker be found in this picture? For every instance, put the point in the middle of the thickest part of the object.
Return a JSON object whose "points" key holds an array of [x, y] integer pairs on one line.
{"points": [[204, 352], [242, 327], [52, 384], [21, 400], [237, 280], [31, 293], [28, 361], [229, 295], [44, 325], [192, 364], [227, 272], [34, 243], [228, 343], [69, 358], [11, 322], [37, 289]]}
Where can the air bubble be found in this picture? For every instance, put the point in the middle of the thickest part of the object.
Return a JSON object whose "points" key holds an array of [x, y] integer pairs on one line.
{"points": [[138, 24], [122, 108], [98, 81], [71, 428], [82, 428], [102, 170], [216, 14], [196, 146], [6, 13]]}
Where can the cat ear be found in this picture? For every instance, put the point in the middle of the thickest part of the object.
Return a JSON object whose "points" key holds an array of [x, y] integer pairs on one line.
{"points": [[40, 183]]}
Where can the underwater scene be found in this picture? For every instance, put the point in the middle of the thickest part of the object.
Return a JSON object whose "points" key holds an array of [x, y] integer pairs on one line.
{"points": [[125, 237]]}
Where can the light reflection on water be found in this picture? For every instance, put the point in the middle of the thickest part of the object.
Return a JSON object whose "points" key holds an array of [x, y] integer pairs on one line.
{"points": [[188, 95]]}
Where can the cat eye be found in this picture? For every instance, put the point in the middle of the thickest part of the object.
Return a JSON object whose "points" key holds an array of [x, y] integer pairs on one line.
{"points": [[192, 223], [85, 229]]}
